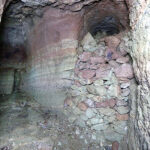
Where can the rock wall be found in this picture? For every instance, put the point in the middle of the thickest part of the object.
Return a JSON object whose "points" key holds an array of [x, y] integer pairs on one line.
{"points": [[52, 56], [139, 46], [99, 97], [6, 81], [44, 69], [53, 47]]}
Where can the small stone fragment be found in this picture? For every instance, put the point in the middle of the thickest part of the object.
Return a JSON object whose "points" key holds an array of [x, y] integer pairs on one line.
{"points": [[124, 71], [82, 106], [123, 117], [121, 103], [125, 85], [122, 109], [97, 60], [88, 43], [90, 113], [122, 60], [89, 103], [87, 74], [100, 127], [113, 64], [109, 103], [85, 56], [125, 92], [107, 111]]}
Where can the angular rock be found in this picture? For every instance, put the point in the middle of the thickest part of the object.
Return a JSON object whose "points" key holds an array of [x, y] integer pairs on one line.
{"points": [[90, 113], [109, 103], [89, 103], [111, 135], [125, 85], [99, 127], [123, 117], [120, 127], [122, 60], [100, 90], [121, 103], [97, 60], [88, 74], [124, 71], [96, 121], [123, 109], [114, 91], [125, 92], [104, 71], [83, 66], [85, 56], [107, 111], [114, 64], [116, 55], [88, 43]]}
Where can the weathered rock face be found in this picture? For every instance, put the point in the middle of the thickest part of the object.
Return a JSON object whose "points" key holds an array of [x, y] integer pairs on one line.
{"points": [[52, 56], [51, 60], [6, 81], [140, 52]]}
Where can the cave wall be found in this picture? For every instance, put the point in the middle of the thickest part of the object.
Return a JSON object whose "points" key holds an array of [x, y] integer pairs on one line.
{"points": [[52, 56], [140, 53], [139, 48]]}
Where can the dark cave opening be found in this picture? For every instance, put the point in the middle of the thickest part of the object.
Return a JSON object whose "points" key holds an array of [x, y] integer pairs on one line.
{"points": [[109, 25]]}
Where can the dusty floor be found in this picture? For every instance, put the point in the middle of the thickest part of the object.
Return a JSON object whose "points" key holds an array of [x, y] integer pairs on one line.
{"points": [[25, 125]]}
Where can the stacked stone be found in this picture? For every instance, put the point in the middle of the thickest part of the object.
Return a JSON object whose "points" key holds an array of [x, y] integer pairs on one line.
{"points": [[100, 94]]}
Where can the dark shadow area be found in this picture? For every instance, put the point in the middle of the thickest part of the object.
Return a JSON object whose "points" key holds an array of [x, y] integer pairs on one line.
{"points": [[109, 25]]}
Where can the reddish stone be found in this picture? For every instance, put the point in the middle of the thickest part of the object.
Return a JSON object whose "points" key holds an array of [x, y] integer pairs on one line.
{"points": [[101, 104], [93, 67], [103, 71], [76, 82], [123, 117], [113, 64], [122, 60], [82, 106], [100, 74], [85, 56], [123, 80], [76, 70], [112, 103], [116, 55], [109, 103], [97, 60], [88, 74], [112, 42], [82, 66], [115, 145], [124, 71]]}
